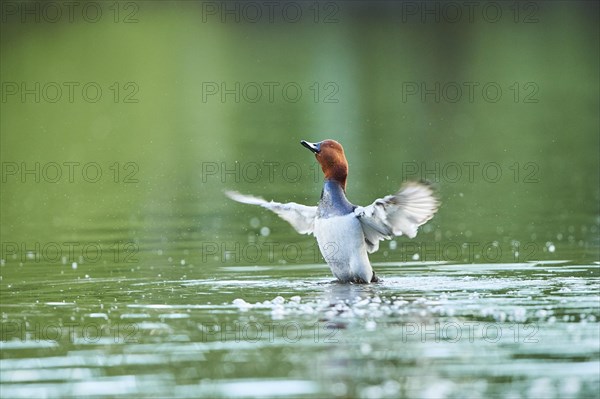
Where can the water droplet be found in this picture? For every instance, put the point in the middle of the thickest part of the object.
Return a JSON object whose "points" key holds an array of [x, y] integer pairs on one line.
{"points": [[370, 325]]}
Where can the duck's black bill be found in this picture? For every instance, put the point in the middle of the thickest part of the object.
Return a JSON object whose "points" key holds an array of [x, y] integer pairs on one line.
{"points": [[314, 147]]}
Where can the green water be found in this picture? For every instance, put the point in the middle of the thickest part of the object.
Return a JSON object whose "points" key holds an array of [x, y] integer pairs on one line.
{"points": [[125, 272]]}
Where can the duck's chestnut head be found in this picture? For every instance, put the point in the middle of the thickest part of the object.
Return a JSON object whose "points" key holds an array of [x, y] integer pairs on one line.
{"points": [[331, 157]]}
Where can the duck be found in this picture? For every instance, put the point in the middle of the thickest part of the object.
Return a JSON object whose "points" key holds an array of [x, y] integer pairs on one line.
{"points": [[347, 233]]}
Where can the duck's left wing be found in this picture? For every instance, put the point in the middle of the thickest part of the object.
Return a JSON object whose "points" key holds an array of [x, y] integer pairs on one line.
{"points": [[301, 217], [401, 213]]}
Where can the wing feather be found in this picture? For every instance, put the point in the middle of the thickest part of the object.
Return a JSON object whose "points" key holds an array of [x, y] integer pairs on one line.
{"points": [[301, 217], [401, 213]]}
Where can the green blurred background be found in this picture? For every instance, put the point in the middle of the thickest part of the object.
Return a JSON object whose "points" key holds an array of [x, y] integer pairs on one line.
{"points": [[164, 122]]}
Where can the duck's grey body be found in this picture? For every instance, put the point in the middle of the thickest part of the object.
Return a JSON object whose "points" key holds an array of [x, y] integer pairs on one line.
{"points": [[340, 236]]}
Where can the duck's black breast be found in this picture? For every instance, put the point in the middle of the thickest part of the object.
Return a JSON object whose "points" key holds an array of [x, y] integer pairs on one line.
{"points": [[333, 201]]}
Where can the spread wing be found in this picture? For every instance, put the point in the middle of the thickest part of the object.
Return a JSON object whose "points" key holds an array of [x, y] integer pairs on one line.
{"points": [[401, 213], [301, 217]]}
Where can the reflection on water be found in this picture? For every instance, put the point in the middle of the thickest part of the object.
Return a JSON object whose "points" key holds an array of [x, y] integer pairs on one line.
{"points": [[426, 331]]}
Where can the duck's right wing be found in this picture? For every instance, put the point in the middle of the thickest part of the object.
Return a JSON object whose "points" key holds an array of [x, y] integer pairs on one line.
{"points": [[301, 217]]}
